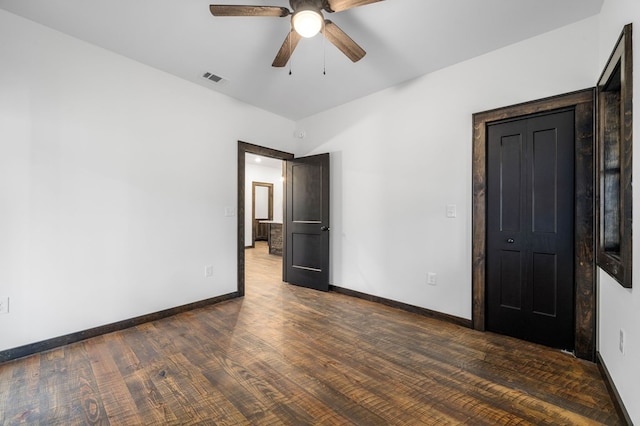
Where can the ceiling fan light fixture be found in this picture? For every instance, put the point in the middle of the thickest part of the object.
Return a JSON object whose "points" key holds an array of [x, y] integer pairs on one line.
{"points": [[307, 22]]}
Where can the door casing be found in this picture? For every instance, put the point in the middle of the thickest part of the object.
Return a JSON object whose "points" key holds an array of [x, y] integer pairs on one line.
{"points": [[585, 293]]}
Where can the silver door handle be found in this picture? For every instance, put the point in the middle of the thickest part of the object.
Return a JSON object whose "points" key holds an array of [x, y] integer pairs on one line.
{"points": [[324, 228], [510, 240]]}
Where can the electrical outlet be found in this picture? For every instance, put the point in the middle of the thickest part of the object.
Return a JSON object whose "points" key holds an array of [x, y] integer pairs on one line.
{"points": [[208, 271], [4, 305], [431, 278], [622, 341]]}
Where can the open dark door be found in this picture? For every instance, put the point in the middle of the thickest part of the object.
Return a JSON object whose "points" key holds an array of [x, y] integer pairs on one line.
{"points": [[307, 222]]}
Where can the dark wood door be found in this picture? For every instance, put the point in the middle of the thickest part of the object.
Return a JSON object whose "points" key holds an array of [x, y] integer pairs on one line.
{"points": [[307, 222], [530, 228]]}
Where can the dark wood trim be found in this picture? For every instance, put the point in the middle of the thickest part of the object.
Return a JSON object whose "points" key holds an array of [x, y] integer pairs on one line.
{"points": [[585, 300], [244, 147], [30, 349], [403, 306], [613, 391], [584, 236], [615, 152]]}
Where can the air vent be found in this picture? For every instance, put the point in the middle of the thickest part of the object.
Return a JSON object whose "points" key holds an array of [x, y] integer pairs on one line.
{"points": [[212, 77]]}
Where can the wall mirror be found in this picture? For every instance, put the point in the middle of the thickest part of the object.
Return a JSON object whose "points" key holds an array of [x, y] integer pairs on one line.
{"points": [[262, 210], [614, 195]]}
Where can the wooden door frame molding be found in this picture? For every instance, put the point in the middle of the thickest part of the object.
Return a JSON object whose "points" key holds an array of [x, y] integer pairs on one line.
{"points": [[584, 266], [243, 148]]}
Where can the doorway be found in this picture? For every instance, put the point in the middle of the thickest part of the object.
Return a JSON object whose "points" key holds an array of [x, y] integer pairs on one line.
{"points": [[244, 149], [305, 226], [582, 103], [529, 281]]}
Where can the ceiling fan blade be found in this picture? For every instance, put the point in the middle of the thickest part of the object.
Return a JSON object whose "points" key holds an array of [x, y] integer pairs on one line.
{"points": [[230, 10], [342, 41], [287, 49], [340, 5]]}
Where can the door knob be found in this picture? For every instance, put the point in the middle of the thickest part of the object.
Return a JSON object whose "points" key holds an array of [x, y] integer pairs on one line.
{"points": [[324, 228], [510, 240]]}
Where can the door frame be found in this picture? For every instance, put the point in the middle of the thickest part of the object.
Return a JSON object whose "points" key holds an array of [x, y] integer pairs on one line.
{"points": [[243, 148], [585, 294]]}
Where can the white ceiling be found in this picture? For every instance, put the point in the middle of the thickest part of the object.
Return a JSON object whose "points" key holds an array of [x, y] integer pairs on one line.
{"points": [[262, 161], [404, 39]]}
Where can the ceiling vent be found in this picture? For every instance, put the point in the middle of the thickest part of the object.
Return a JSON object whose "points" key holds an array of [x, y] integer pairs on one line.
{"points": [[212, 77]]}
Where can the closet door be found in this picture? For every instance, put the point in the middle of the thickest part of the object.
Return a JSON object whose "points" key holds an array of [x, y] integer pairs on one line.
{"points": [[530, 228]]}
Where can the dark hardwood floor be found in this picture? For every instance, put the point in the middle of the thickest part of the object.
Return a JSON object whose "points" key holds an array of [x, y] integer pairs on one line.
{"points": [[289, 355]]}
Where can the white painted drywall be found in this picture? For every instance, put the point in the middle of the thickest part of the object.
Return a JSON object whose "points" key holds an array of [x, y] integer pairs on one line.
{"points": [[114, 179], [400, 156], [619, 308], [259, 173]]}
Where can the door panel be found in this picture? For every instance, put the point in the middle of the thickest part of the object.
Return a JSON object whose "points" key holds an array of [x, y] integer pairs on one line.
{"points": [[307, 194], [510, 176], [511, 279], [545, 283], [307, 222], [544, 181], [530, 271], [306, 251]]}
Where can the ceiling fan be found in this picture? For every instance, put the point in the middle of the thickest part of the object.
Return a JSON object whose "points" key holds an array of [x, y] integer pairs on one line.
{"points": [[306, 21]]}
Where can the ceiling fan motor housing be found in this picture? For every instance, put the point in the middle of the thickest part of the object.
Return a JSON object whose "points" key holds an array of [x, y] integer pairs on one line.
{"points": [[315, 5]]}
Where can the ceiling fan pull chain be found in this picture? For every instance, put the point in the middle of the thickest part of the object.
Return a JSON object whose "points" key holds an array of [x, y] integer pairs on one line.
{"points": [[324, 53], [290, 52]]}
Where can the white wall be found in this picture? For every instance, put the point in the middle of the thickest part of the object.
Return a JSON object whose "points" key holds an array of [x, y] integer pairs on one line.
{"points": [[258, 173], [619, 308], [401, 155], [114, 179]]}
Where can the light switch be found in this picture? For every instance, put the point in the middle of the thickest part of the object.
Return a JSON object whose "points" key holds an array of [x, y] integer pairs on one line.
{"points": [[451, 210], [229, 211]]}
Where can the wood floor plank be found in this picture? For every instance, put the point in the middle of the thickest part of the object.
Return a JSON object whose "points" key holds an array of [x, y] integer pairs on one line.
{"points": [[117, 401], [139, 350], [246, 403], [21, 390], [55, 402], [289, 355], [7, 370], [86, 403], [212, 401]]}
